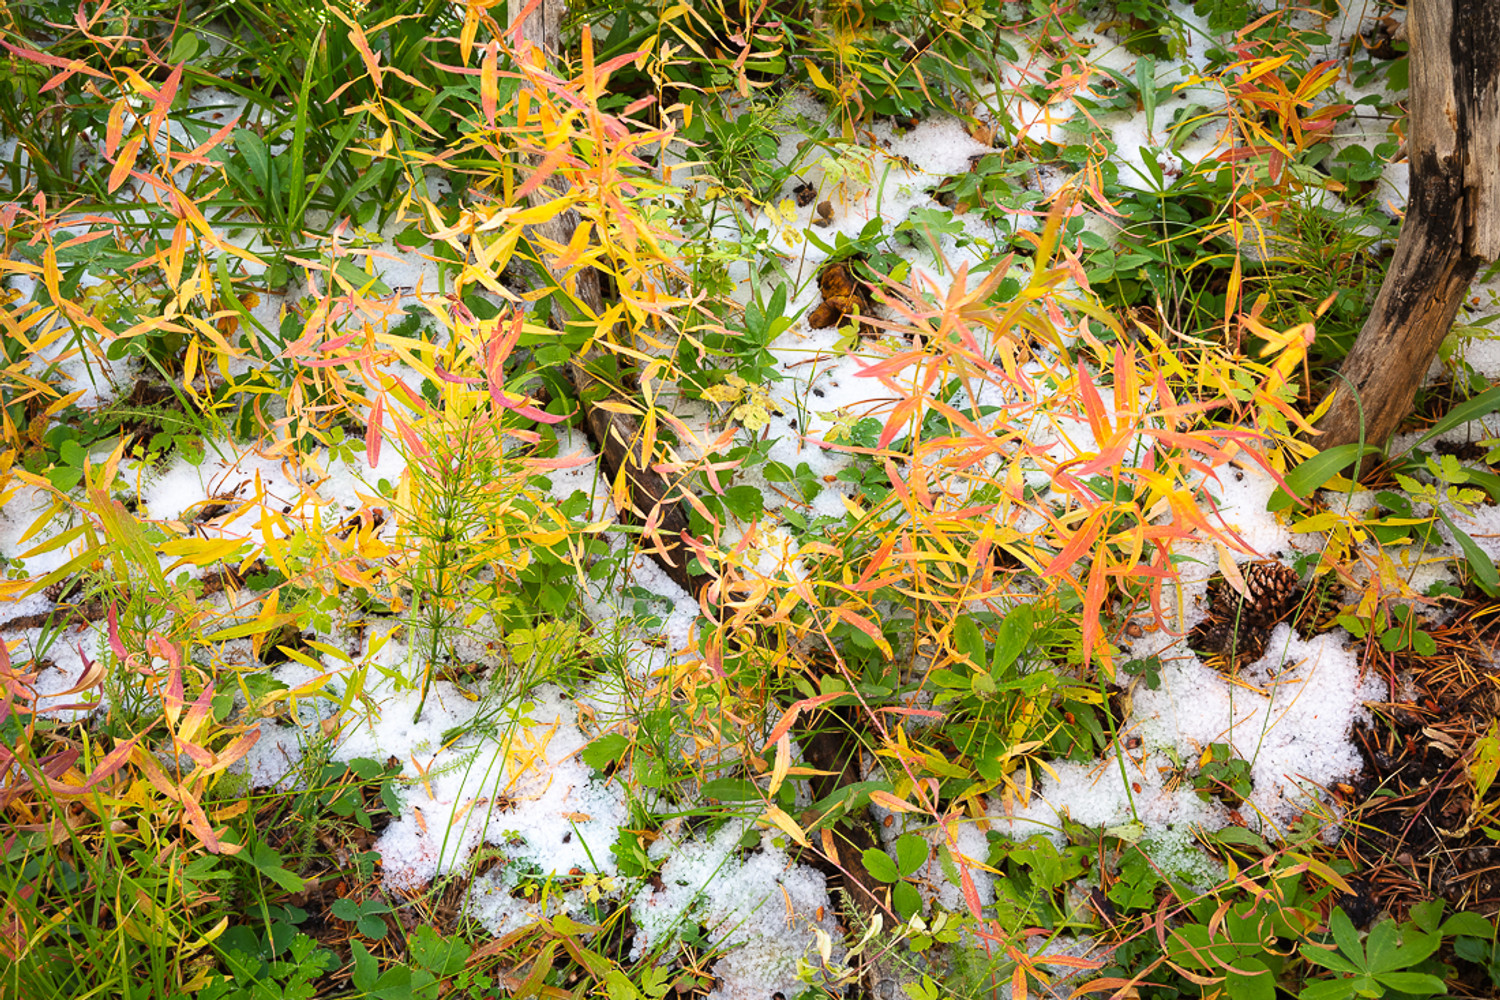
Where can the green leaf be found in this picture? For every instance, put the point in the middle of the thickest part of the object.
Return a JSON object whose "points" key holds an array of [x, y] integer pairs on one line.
{"points": [[1416, 947], [366, 967], [1482, 565], [1347, 937], [1327, 989], [906, 899], [911, 853], [1416, 983], [444, 956], [1016, 632], [355, 275], [1313, 473], [1485, 403], [970, 642], [604, 751], [72, 453], [266, 861], [1380, 948], [1488, 480], [745, 502], [253, 148], [619, 986], [1469, 925], [851, 798], [879, 865], [1329, 959], [731, 790], [1253, 981]]}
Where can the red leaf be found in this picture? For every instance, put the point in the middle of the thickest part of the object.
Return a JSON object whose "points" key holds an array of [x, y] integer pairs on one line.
{"points": [[373, 428]]}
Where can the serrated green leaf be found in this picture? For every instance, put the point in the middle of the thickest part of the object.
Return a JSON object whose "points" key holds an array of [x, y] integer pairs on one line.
{"points": [[604, 751]]}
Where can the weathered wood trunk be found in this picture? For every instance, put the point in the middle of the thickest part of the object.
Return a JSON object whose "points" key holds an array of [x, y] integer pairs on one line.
{"points": [[653, 502], [1452, 217]]}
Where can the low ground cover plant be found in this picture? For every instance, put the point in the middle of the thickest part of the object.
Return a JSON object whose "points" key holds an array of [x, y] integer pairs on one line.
{"points": [[742, 500]]}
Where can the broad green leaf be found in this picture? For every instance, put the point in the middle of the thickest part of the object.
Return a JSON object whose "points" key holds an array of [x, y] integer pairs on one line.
{"points": [[366, 967], [970, 642], [1380, 947], [1485, 403], [1416, 947], [1327, 989], [732, 790], [1482, 565], [1328, 959], [604, 751], [906, 899], [880, 866], [1469, 925], [1253, 981], [1347, 937], [1015, 634], [911, 853], [1416, 983], [1313, 473]]}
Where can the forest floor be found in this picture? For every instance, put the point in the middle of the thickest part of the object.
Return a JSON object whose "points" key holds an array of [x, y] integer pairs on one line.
{"points": [[970, 614]]}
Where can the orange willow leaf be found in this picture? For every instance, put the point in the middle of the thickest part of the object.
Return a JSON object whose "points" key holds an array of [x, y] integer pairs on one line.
{"points": [[115, 130], [489, 83], [124, 163], [161, 101]]}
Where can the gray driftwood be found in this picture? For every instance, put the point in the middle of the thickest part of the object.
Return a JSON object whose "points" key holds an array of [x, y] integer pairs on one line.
{"points": [[1452, 217]]}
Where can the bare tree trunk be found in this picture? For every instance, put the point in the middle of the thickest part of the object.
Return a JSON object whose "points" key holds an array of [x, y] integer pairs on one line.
{"points": [[1452, 217], [653, 501]]}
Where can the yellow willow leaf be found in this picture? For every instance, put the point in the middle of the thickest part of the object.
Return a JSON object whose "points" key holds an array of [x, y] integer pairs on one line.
{"points": [[1260, 69], [819, 80], [300, 657], [494, 255], [783, 762], [788, 825], [547, 539], [1232, 575], [200, 551], [190, 367], [327, 650], [236, 808], [618, 406], [62, 403]]}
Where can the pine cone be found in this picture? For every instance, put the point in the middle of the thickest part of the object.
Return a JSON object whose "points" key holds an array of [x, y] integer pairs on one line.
{"points": [[1274, 590], [1238, 627]]}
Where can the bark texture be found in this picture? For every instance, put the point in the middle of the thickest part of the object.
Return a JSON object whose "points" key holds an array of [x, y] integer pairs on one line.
{"points": [[1452, 218], [654, 504]]}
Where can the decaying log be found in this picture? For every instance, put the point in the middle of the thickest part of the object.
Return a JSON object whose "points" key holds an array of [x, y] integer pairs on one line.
{"points": [[654, 501], [1452, 217]]}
